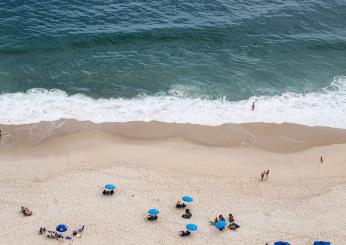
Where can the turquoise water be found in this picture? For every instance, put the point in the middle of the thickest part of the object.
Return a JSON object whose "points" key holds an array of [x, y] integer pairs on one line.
{"points": [[213, 52]]}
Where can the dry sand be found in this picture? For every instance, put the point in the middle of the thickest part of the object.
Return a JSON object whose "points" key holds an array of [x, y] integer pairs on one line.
{"points": [[58, 169]]}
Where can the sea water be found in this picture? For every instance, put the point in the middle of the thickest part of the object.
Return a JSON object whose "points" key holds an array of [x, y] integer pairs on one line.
{"points": [[201, 62]]}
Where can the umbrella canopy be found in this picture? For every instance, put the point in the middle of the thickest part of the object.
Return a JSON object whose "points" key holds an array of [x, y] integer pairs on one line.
{"points": [[110, 187], [153, 211], [220, 224], [191, 227], [61, 228], [321, 243], [187, 199], [282, 243]]}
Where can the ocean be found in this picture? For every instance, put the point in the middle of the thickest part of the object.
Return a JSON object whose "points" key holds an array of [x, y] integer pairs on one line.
{"points": [[201, 62]]}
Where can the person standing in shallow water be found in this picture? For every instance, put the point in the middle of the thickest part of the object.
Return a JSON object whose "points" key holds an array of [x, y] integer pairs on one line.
{"points": [[253, 106]]}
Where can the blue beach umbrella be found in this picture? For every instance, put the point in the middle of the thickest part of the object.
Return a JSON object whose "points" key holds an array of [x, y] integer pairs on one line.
{"points": [[153, 211], [110, 187], [220, 224], [61, 228], [191, 227], [187, 199]]}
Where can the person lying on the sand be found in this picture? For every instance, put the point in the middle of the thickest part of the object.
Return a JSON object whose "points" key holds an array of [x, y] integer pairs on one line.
{"points": [[42, 230], [233, 226], [187, 214], [26, 211], [152, 217], [180, 205], [52, 234], [221, 218], [184, 233], [214, 222]]}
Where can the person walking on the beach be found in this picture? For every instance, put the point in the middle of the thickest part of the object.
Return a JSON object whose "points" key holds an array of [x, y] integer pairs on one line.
{"points": [[253, 106], [321, 159], [267, 173], [262, 175]]}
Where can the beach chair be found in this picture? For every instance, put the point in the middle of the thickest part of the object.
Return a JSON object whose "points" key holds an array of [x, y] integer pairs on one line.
{"points": [[321, 243], [282, 243]]}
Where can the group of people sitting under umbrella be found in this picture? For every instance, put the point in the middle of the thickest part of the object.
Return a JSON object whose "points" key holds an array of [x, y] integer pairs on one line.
{"points": [[189, 228], [180, 205], [153, 214], [108, 189], [220, 223], [57, 234]]}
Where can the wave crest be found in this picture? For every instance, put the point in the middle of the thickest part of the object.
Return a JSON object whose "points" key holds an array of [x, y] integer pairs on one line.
{"points": [[324, 108]]}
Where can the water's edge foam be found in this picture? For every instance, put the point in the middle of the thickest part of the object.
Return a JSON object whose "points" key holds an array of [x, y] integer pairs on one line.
{"points": [[324, 108]]}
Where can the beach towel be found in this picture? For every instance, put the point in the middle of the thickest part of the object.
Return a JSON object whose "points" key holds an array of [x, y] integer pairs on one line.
{"points": [[321, 243], [281, 243]]}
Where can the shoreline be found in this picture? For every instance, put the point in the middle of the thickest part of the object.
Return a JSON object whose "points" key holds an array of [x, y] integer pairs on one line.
{"points": [[284, 138]]}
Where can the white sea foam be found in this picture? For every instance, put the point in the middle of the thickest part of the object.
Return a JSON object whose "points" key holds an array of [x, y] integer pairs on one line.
{"points": [[324, 108]]}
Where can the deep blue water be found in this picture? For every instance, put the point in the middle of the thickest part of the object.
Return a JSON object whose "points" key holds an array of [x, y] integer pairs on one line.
{"points": [[235, 49]]}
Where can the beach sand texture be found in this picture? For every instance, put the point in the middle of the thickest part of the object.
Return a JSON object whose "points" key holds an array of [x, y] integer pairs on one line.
{"points": [[58, 169]]}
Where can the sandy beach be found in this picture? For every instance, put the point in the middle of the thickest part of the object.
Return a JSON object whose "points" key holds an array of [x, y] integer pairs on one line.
{"points": [[58, 170]]}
